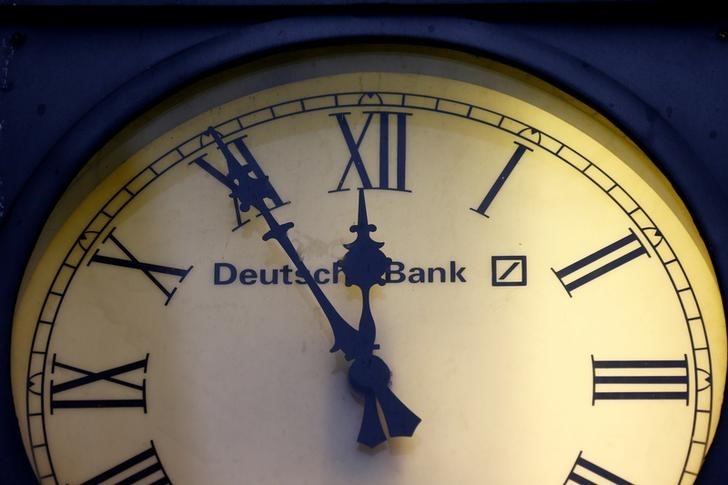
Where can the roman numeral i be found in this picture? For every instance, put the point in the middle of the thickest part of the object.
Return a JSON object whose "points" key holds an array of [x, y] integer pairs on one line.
{"points": [[501, 180]]}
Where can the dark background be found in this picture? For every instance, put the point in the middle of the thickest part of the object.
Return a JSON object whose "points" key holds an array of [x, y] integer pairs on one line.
{"points": [[72, 73]]}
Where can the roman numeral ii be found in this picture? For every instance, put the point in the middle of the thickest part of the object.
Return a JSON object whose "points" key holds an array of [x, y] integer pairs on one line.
{"points": [[600, 262]]}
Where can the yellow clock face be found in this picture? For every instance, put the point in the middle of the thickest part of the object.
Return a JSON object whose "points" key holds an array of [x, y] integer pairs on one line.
{"points": [[541, 310]]}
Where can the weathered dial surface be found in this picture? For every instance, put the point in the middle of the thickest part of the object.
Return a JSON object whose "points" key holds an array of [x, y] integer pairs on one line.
{"points": [[550, 312]]}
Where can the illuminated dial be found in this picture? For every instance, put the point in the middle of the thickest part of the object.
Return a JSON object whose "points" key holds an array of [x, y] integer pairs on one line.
{"points": [[435, 270]]}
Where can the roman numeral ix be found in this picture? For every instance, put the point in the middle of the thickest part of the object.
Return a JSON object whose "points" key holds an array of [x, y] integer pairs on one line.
{"points": [[124, 393], [148, 269]]}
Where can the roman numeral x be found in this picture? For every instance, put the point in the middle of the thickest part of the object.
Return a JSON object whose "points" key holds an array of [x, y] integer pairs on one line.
{"points": [[149, 269]]}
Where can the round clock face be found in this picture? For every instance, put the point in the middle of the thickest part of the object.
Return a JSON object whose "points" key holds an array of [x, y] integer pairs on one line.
{"points": [[512, 292]]}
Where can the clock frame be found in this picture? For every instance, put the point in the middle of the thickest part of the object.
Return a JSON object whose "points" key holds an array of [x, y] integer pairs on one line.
{"points": [[25, 214]]}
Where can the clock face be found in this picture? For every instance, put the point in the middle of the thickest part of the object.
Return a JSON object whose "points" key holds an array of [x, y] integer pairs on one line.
{"points": [[542, 309]]}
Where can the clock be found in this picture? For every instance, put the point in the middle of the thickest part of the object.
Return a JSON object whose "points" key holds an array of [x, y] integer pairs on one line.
{"points": [[371, 262]]}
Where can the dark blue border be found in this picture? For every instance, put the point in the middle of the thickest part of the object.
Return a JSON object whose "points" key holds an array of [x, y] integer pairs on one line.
{"points": [[654, 135]]}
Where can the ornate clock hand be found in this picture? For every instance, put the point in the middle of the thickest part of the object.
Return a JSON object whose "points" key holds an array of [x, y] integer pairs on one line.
{"points": [[364, 265], [249, 187]]}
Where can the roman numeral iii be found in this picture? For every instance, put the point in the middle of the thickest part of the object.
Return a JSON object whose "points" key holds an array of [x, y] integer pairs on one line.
{"points": [[640, 380], [600, 262], [143, 467], [398, 122], [108, 389], [148, 269]]}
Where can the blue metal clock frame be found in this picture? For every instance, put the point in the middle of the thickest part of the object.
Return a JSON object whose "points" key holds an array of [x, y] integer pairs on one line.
{"points": [[30, 201]]}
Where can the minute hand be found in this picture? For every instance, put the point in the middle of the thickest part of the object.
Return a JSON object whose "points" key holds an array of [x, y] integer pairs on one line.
{"points": [[249, 187], [346, 338]]}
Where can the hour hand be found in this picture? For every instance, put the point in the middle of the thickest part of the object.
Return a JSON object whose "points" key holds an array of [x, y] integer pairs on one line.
{"points": [[364, 266]]}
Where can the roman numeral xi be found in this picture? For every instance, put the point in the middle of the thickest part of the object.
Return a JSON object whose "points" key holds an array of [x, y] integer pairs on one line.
{"points": [[239, 165], [501, 180]]}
